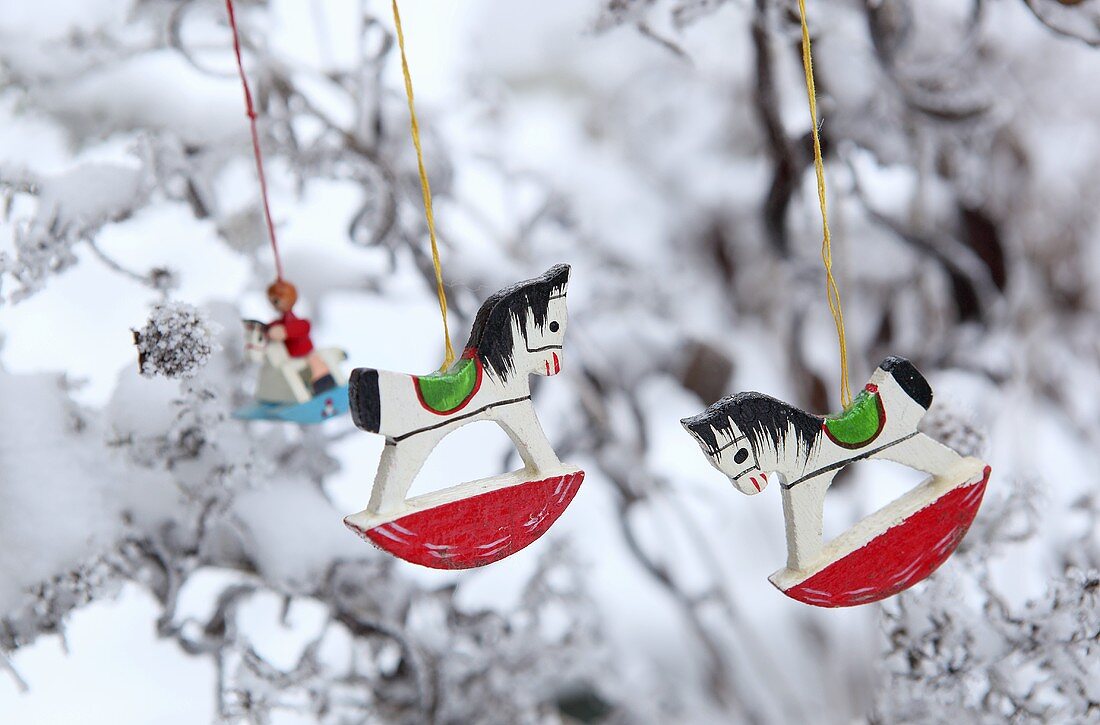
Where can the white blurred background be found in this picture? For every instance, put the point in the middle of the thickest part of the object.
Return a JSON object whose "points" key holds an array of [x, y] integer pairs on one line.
{"points": [[160, 562]]}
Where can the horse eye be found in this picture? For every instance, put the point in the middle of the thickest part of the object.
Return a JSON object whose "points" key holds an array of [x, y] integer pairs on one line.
{"points": [[741, 456], [554, 326]]}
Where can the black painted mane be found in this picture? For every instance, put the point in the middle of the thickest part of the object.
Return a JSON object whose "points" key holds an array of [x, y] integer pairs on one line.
{"points": [[765, 420], [491, 334]]}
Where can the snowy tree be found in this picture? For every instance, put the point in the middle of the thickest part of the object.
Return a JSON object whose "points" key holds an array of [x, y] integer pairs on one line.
{"points": [[660, 147]]}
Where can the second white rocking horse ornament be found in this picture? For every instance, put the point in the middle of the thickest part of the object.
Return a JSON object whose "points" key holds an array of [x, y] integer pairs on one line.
{"points": [[745, 436], [518, 332]]}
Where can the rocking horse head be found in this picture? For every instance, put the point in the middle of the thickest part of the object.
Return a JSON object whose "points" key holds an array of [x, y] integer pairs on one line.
{"points": [[749, 434], [520, 330], [255, 340]]}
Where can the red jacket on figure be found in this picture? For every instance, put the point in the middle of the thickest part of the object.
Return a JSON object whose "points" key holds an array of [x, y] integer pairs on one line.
{"points": [[297, 340]]}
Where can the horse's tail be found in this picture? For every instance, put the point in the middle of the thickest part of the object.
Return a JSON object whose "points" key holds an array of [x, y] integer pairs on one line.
{"points": [[366, 403], [908, 379]]}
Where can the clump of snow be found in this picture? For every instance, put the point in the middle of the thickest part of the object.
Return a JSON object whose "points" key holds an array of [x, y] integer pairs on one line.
{"points": [[91, 194], [300, 531], [72, 206], [64, 497], [176, 342]]}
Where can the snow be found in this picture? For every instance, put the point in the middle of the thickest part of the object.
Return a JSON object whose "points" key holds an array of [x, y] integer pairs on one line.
{"points": [[90, 675], [140, 520], [62, 493], [90, 193], [296, 533], [157, 90]]}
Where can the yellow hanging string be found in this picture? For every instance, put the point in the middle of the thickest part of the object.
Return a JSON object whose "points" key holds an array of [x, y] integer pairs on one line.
{"points": [[831, 290], [425, 189]]}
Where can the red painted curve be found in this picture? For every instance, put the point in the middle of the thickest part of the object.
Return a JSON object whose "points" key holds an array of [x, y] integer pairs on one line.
{"points": [[478, 530], [899, 557]]}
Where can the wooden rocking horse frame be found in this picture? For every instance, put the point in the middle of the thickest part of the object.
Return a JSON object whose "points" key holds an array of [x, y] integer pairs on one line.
{"points": [[748, 435], [518, 332]]}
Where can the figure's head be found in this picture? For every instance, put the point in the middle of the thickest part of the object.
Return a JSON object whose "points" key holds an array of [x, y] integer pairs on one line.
{"points": [[255, 340], [749, 434], [282, 295], [521, 329]]}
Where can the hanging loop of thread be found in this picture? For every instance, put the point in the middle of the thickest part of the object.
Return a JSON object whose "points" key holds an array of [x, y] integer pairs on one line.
{"points": [[250, 110], [831, 290], [425, 189]]}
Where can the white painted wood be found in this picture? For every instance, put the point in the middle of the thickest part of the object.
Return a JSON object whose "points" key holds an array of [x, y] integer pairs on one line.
{"points": [[282, 378], [412, 429], [805, 478], [366, 520], [964, 472]]}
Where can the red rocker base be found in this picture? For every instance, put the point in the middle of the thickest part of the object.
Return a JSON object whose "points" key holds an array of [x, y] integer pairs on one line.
{"points": [[860, 571], [473, 524]]}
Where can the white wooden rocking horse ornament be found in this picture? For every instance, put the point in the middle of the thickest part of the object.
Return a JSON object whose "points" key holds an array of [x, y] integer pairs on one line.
{"points": [[748, 435], [518, 332]]}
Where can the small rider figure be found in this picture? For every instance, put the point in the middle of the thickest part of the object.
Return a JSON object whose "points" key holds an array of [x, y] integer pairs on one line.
{"points": [[294, 333]]}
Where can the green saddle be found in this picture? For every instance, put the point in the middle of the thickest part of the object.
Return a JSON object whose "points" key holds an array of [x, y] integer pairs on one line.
{"points": [[445, 391], [860, 423]]}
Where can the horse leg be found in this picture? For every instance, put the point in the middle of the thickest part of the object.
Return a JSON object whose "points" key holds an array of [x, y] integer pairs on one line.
{"points": [[294, 382], [803, 513], [522, 426], [923, 454], [318, 368], [396, 470]]}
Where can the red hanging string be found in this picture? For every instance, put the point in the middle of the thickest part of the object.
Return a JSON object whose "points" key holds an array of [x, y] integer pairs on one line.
{"points": [[251, 111]]}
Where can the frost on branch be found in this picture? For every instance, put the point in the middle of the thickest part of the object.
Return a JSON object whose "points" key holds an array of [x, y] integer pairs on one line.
{"points": [[176, 342], [1035, 663], [68, 208], [1075, 19], [961, 171], [960, 642], [954, 429], [410, 655]]}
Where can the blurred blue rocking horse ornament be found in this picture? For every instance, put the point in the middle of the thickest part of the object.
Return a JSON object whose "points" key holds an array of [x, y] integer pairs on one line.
{"points": [[518, 332], [748, 435], [298, 383]]}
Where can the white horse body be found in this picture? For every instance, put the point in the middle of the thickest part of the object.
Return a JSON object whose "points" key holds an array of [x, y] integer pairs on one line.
{"points": [[286, 379], [804, 494], [396, 421], [389, 404], [806, 459]]}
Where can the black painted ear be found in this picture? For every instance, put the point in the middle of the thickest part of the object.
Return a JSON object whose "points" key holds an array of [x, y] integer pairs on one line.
{"points": [[699, 426], [909, 379]]}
